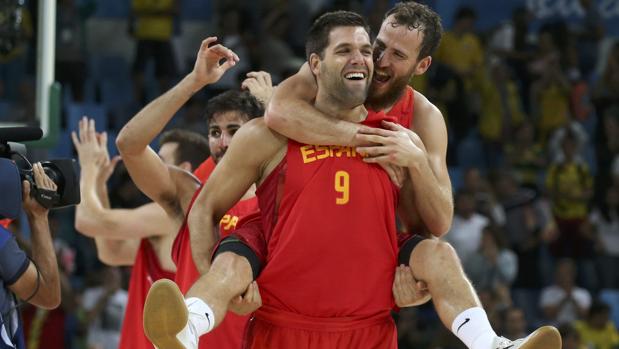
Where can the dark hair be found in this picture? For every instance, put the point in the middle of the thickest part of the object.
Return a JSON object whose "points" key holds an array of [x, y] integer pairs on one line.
{"points": [[235, 101], [192, 146], [318, 35], [422, 18]]}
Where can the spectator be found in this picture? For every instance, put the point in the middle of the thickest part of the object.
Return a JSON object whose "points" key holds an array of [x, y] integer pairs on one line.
{"points": [[604, 220], [467, 226], [571, 338], [493, 265], [104, 306], [71, 45], [597, 331], [14, 46], [462, 52], [501, 109], [589, 36], [514, 323], [152, 25], [486, 202], [525, 157], [550, 89], [569, 184], [564, 302]]}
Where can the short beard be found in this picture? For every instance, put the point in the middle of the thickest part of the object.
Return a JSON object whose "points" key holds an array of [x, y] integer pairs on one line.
{"points": [[389, 98]]}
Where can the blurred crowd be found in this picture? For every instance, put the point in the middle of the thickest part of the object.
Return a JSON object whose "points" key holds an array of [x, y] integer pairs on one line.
{"points": [[533, 119]]}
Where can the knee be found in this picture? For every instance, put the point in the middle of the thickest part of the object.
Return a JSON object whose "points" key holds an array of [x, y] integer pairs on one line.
{"points": [[436, 253], [231, 266]]}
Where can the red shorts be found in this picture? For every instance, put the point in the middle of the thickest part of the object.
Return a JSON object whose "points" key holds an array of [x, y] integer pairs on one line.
{"points": [[276, 329]]}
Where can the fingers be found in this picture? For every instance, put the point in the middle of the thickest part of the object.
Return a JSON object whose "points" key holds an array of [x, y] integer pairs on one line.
{"points": [[41, 179], [373, 150], [261, 76], [207, 42], [223, 52], [392, 126], [102, 139], [76, 141], [250, 84], [25, 188], [371, 139], [376, 131]]}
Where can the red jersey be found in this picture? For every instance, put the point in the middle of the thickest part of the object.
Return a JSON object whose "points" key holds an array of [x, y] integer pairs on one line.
{"points": [[333, 246], [205, 169], [5, 222], [229, 334], [146, 270]]}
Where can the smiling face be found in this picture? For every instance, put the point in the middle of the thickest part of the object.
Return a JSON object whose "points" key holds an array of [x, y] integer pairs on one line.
{"points": [[345, 70], [396, 61]]}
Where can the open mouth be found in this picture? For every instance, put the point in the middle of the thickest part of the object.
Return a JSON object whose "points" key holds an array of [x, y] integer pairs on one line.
{"points": [[381, 77], [356, 76]]}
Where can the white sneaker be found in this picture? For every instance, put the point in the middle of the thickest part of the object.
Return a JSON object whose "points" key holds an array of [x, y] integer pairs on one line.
{"points": [[546, 337], [166, 319]]}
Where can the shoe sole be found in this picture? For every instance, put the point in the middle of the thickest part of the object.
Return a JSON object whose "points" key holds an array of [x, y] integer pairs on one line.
{"points": [[546, 337], [165, 315]]}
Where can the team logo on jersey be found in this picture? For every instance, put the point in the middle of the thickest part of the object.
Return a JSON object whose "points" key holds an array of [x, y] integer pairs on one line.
{"points": [[311, 153]]}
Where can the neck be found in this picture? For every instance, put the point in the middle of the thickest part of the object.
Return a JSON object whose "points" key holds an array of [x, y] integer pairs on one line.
{"points": [[335, 108]]}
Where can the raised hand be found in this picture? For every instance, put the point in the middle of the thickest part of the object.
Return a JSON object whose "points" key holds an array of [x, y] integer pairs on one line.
{"points": [[87, 143], [212, 62], [259, 85]]}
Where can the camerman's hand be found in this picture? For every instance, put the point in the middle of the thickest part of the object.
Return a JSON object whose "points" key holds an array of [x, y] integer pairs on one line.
{"points": [[31, 206]]}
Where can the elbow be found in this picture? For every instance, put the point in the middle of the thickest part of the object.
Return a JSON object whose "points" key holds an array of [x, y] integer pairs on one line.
{"points": [[51, 299], [125, 142], [441, 226], [273, 116]]}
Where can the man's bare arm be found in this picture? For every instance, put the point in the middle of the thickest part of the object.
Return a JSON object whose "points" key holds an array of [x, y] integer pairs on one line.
{"points": [[243, 165], [117, 253], [291, 113], [147, 170], [422, 151], [430, 179]]}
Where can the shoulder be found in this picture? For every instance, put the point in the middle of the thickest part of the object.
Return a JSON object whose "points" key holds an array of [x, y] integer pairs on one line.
{"points": [[257, 134], [426, 113]]}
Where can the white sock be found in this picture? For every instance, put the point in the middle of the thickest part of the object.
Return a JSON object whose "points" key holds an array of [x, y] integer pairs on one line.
{"points": [[474, 329], [201, 316]]}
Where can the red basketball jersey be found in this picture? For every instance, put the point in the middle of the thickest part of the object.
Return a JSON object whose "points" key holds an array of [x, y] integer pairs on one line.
{"points": [[146, 270], [333, 246]]}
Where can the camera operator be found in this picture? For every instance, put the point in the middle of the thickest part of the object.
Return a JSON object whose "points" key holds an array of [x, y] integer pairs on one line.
{"points": [[34, 280]]}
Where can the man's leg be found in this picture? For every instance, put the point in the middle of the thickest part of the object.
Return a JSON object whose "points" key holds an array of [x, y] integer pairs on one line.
{"points": [[436, 263], [171, 321]]}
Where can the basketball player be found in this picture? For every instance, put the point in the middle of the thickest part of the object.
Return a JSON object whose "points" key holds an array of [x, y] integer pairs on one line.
{"points": [[140, 237], [174, 189], [409, 34]]}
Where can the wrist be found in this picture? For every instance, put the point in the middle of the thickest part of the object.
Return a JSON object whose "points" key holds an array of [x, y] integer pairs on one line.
{"points": [[193, 83]]}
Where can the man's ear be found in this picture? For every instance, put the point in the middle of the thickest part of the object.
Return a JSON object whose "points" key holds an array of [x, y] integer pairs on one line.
{"points": [[423, 65], [314, 63]]}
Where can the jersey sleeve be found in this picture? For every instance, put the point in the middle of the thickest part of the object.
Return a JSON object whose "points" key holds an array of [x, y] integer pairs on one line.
{"points": [[13, 260]]}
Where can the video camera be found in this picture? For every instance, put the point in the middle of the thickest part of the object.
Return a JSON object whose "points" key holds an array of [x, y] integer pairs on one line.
{"points": [[15, 167]]}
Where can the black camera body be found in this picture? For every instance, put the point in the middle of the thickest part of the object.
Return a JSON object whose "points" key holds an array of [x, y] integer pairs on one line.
{"points": [[63, 172]]}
